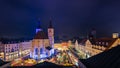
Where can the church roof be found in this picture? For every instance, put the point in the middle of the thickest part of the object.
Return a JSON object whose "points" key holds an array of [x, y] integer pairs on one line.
{"points": [[40, 35], [100, 41], [83, 41]]}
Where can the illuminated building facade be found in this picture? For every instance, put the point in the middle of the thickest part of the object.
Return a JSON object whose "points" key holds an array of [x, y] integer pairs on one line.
{"points": [[10, 50], [51, 34], [96, 46], [1, 51], [42, 44], [115, 35], [24, 48]]}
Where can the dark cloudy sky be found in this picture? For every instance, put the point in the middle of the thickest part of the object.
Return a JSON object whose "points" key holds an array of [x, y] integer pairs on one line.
{"points": [[18, 18]]}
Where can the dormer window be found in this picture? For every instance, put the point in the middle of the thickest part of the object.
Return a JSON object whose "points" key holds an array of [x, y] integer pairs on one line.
{"points": [[106, 43], [103, 43], [99, 42]]}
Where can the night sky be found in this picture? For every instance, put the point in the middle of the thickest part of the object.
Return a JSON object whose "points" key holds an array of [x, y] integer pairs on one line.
{"points": [[19, 18]]}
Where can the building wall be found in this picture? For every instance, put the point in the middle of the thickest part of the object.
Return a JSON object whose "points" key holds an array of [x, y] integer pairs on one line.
{"points": [[24, 48], [13, 50], [51, 36], [39, 44], [90, 49], [1, 51]]}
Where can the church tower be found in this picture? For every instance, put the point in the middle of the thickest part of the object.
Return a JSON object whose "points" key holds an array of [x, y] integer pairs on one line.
{"points": [[42, 44], [39, 43], [92, 34], [51, 34]]}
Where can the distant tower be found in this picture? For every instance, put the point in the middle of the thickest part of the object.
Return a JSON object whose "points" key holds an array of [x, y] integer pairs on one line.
{"points": [[38, 27], [92, 34], [51, 34], [115, 35]]}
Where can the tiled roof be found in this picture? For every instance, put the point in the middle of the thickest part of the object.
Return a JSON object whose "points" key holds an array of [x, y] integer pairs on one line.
{"points": [[11, 41], [107, 59], [83, 41], [41, 35], [103, 41]]}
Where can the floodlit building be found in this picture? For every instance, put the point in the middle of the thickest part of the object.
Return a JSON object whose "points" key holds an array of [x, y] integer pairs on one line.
{"points": [[115, 35], [10, 50], [24, 48], [97, 45], [1, 50], [42, 43], [41, 46]]}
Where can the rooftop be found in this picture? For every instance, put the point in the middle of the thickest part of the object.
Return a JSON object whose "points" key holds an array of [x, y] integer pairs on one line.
{"points": [[107, 41], [107, 59], [40, 35]]}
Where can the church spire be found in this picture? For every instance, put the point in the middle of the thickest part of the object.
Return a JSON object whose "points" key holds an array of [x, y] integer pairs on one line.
{"points": [[39, 24], [50, 24], [39, 28]]}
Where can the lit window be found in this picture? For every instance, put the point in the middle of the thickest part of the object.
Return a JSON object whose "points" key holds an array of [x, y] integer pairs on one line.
{"points": [[103, 43], [36, 51], [41, 50], [106, 43], [99, 42]]}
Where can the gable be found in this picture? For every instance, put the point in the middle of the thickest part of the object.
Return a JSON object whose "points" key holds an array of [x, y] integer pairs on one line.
{"points": [[87, 43], [115, 43]]}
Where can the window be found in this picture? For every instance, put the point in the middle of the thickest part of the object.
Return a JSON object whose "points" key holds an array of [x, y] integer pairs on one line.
{"points": [[41, 50], [36, 51], [8, 45], [17, 46], [103, 43], [47, 54], [12, 50], [106, 43], [99, 42]]}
